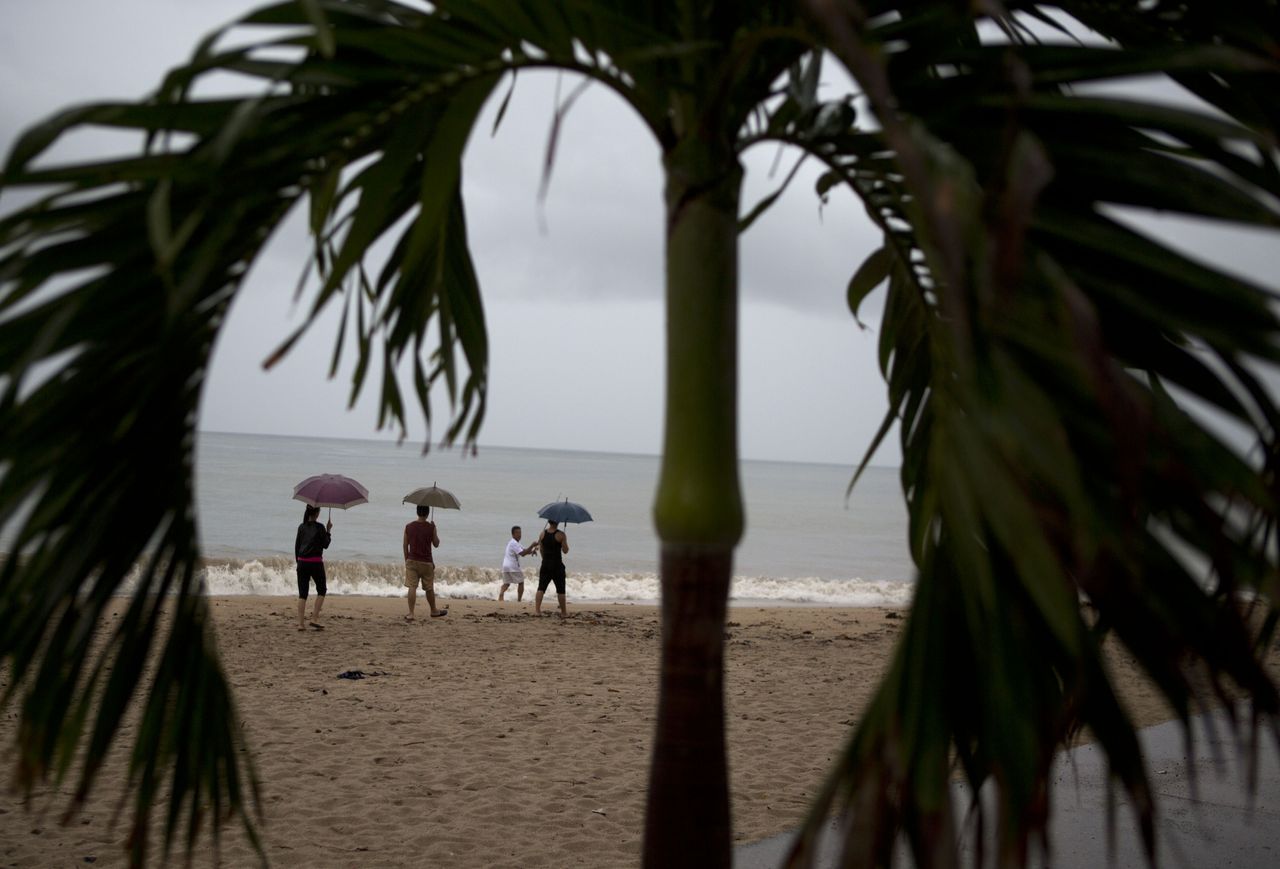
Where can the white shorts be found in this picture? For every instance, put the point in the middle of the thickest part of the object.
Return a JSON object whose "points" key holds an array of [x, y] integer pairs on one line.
{"points": [[513, 577]]}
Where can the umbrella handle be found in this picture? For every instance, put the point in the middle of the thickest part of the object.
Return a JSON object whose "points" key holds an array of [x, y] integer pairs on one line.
{"points": [[330, 514]]}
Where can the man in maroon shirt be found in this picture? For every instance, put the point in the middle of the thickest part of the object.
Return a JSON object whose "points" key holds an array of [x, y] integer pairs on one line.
{"points": [[420, 537]]}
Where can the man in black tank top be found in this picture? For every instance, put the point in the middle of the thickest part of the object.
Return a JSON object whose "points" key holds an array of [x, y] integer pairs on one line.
{"points": [[553, 545]]}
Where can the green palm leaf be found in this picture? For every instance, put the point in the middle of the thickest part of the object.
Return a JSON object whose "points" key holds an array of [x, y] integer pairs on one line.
{"points": [[1038, 357], [1045, 460]]}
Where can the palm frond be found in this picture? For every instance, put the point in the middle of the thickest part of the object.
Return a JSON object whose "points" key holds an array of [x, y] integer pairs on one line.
{"points": [[112, 289], [1046, 459], [1038, 352]]}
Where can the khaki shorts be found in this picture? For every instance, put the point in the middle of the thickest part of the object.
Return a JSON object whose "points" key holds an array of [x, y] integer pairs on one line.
{"points": [[420, 571]]}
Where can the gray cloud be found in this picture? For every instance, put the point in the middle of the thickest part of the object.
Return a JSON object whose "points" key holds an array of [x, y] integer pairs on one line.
{"points": [[573, 284]]}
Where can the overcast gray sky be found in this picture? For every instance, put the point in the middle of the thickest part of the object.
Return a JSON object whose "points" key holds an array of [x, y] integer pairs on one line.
{"points": [[573, 285]]}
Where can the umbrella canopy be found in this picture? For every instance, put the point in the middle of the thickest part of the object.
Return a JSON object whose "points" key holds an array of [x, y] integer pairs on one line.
{"points": [[564, 511], [433, 496], [331, 490]]}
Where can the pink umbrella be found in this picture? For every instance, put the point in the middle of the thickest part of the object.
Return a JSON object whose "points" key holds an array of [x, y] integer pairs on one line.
{"points": [[331, 490]]}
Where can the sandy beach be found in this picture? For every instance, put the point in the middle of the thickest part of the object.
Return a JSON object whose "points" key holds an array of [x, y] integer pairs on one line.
{"points": [[490, 738]]}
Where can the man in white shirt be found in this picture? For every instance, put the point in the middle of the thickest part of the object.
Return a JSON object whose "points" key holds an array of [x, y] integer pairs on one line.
{"points": [[511, 572]]}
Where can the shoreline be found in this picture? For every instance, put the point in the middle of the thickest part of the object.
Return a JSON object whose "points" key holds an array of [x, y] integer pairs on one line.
{"points": [[274, 576], [493, 738]]}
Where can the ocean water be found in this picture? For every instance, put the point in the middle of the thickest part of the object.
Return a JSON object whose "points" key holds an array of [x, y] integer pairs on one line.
{"points": [[804, 544]]}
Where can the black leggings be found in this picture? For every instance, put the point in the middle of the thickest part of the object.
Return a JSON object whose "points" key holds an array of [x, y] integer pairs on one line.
{"points": [[308, 570]]}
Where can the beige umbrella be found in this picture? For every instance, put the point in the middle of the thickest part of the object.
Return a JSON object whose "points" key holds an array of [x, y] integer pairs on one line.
{"points": [[433, 496]]}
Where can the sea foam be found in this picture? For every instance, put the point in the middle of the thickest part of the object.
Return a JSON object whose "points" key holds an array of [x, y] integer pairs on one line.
{"points": [[276, 576]]}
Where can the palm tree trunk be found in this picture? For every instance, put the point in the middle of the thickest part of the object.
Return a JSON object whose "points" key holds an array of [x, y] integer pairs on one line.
{"points": [[698, 510]]}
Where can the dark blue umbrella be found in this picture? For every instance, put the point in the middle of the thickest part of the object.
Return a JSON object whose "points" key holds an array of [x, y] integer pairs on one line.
{"points": [[564, 511]]}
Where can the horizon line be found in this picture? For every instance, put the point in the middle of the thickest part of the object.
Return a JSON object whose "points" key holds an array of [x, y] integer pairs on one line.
{"points": [[852, 466]]}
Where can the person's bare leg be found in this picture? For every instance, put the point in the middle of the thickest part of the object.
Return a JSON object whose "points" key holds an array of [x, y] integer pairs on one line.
{"points": [[302, 613], [315, 613], [537, 603], [520, 592], [431, 601], [502, 591], [564, 614], [413, 599]]}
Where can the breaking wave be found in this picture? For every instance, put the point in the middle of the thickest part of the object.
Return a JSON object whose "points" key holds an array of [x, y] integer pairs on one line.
{"points": [[276, 576]]}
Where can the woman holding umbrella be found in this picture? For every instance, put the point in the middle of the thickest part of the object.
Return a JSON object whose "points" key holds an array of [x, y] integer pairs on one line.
{"points": [[308, 547], [322, 490]]}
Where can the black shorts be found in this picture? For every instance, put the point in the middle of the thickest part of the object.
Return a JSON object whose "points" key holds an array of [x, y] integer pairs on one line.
{"points": [[548, 574], [309, 570]]}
